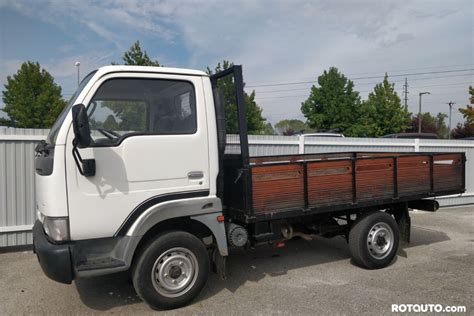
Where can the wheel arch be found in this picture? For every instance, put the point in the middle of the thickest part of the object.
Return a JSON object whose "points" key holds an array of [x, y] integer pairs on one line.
{"points": [[185, 224], [197, 216]]}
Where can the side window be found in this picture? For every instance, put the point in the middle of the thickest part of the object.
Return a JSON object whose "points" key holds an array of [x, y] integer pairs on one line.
{"points": [[123, 107]]}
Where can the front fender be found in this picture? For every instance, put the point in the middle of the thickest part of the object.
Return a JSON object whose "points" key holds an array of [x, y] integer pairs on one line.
{"points": [[202, 209]]}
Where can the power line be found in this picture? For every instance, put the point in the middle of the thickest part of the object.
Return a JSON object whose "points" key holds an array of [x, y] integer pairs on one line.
{"points": [[435, 78], [391, 71], [443, 85], [418, 68], [365, 91], [360, 78], [366, 83]]}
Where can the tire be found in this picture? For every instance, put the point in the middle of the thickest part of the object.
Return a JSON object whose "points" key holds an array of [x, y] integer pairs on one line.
{"points": [[373, 240], [171, 270]]}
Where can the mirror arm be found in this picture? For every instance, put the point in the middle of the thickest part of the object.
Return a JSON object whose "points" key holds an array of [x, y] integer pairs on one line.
{"points": [[86, 167]]}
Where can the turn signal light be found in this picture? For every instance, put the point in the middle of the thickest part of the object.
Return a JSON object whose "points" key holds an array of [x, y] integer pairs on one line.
{"points": [[220, 218]]}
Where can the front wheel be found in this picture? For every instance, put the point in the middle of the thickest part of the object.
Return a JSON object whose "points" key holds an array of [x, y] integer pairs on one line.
{"points": [[171, 270], [373, 240]]}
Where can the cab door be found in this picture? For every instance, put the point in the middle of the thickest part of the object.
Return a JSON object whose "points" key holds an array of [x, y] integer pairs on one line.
{"points": [[149, 140]]}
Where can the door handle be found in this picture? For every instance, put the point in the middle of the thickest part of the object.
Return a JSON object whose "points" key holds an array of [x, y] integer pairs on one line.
{"points": [[195, 175]]}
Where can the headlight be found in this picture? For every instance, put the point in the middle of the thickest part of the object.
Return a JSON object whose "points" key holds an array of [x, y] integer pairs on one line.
{"points": [[57, 228]]}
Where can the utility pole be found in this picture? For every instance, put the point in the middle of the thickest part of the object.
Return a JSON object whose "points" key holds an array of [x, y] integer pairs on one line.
{"points": [[450, 109], [419, 111], [405, 91], [78, 65]]}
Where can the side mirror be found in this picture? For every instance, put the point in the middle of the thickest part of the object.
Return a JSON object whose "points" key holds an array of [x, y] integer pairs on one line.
{"points": [[82, 139], [80, 123]]}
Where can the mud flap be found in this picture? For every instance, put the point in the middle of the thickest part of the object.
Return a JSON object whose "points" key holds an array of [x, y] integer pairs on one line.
{"points": [[404, 222], [219, 264]]}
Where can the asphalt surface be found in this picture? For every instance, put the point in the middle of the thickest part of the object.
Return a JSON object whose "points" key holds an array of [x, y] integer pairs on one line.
{"points": [[304, 278]]}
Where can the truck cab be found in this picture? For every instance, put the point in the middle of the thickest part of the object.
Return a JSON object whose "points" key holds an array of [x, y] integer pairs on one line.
{"points": [[152, 159]]}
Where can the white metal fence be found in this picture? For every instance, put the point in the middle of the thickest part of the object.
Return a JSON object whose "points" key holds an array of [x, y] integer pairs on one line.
{"points": [[17, 194], [17, 200]]}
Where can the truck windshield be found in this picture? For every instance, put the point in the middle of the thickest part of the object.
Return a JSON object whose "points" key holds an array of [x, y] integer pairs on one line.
{"points": [[53, 132]]}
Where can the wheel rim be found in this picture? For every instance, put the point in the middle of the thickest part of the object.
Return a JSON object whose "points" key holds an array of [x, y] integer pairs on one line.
{"points": [[380, 240], [175, 272]]}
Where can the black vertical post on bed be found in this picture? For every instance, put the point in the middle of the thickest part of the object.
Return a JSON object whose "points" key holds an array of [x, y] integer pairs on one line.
{"points": [[395, 177], [354, 180]]}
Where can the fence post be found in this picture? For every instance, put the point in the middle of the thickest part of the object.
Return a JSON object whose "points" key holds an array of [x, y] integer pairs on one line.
{"points": [[417, 144], [301, 144]]}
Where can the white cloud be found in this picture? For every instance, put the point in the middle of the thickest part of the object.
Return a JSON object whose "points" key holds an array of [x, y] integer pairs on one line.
{"points": [[286, 40], [108, 19], [65, 67]]}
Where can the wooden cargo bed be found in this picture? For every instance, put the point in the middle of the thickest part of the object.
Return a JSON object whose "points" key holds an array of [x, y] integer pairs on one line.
{"points": [[281, 185]]}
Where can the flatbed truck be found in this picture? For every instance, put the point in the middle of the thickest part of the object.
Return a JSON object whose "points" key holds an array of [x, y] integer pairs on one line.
{"points": [[136, 175]]}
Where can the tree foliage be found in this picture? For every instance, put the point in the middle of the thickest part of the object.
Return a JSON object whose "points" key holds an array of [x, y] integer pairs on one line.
{"points": [[334, 105], [128, 115], [255, 122], [463, 130], [466, 129], [383, 112], [6, 122], [290, 127], [32, 99], [269, 130], [468, 112], [430, 124], [135, 56]]}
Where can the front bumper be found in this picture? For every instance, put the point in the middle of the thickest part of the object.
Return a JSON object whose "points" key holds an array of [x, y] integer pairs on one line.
{"points": [[55, 259]]}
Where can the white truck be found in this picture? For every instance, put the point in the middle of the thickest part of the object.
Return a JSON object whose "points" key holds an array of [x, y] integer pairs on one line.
{"points": [[135, 175]]}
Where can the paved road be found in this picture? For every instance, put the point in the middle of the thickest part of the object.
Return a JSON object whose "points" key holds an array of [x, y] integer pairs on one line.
{"points": [[315, 277]]}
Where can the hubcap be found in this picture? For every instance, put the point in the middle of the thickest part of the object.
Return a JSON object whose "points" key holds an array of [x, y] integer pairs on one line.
{"points": [[380, 240], [174, 272]]}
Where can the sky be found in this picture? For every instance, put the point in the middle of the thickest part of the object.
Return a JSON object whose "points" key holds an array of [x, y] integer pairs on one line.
{"points": [[283, 45]]}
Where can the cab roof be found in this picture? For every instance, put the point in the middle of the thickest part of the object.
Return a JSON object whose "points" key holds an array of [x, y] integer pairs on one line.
{"points": [[151, 69]]}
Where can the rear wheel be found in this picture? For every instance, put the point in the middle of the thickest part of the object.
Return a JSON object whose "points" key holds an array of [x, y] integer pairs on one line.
{"points": [[373, 240], [171, 270]]}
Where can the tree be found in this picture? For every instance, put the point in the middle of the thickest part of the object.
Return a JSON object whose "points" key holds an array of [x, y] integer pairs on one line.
{"points": [[463, 130], [468, 112], [269, 130], [32, 99], [128, 115], [430, 124], [255, 122], [471, 92], [384, 111], [290, 127], [111, 124], [334, 105], [135, 56], [466, 129], [6, 122]]}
